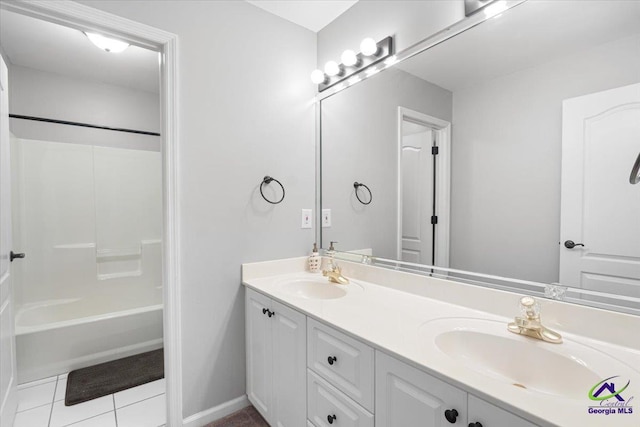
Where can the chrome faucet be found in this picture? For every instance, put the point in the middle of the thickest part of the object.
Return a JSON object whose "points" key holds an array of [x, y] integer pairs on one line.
{"points": [[530, 325], [334, 273]]}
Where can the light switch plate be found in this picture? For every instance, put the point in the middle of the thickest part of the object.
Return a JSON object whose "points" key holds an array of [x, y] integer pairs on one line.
{"points": [[306, 218], [326, 218]]}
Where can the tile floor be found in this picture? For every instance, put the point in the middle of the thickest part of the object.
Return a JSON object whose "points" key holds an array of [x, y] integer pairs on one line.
{"points": [[41, 404]]}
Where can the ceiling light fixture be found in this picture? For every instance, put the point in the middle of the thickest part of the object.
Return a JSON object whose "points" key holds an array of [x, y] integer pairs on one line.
{"points": [[352, 63], [106, 43]]}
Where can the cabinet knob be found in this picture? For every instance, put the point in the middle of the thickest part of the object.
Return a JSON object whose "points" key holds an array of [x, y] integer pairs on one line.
{"points": [[475, 425], [331, 419], [332, 360], [271, 313], [451, 415], [264, 311]]}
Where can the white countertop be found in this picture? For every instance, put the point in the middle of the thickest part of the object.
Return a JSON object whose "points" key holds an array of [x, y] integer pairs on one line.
{"points": [[393, 321]]}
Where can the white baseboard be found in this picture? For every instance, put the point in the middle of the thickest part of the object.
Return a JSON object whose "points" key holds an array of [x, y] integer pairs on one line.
{"points": [[217, 412]]}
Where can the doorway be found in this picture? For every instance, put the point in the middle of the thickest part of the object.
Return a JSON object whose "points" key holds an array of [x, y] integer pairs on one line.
{"points": [[423, 188], [84, 18]]}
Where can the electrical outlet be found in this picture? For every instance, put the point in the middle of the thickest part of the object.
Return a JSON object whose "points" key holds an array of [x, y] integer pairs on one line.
{"points": [[326, 218], [306, 218]]}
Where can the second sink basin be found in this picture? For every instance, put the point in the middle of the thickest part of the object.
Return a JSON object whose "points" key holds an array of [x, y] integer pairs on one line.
{"points": [[317, 288], [566, 370]]}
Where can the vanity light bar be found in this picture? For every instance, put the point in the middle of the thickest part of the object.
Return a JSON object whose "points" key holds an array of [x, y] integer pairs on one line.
{"points": [[363, 61]]}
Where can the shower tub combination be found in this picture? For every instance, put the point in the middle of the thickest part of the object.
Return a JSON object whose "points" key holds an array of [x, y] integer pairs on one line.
{"points": [[89, 219]]}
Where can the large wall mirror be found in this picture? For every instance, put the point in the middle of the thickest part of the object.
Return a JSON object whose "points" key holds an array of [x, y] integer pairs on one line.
{"points": [[535, 114]]}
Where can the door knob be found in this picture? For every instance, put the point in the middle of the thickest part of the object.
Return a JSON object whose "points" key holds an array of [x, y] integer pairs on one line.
{"points": [[13, 255], [570, 244], [331, 418]]}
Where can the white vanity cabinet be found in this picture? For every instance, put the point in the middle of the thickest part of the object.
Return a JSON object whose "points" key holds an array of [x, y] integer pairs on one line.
{"points": [[302, 372], [276, 360], [484, 414], [406, 396]]}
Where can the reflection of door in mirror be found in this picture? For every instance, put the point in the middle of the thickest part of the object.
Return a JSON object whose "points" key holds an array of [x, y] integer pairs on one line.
{"points": [[422, 177], [601, 137]]}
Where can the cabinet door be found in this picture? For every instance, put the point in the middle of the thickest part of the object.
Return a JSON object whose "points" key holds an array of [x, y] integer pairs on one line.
{"points": [[491, 416], [259, 353], [408, 397], [289, 338]]}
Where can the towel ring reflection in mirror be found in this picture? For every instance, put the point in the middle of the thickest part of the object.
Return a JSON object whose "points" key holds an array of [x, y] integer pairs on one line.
{"points": [[356, 185], [634, 178], [267, 180]]}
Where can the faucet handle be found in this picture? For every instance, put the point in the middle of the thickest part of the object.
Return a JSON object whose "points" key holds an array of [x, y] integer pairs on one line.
{"points": [[331, 248], [529, 307]]}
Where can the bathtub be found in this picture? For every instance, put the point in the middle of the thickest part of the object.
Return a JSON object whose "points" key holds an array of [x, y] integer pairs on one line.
{"points": [[56, 336]]}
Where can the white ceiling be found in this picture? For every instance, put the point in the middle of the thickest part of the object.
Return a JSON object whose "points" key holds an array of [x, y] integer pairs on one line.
{"points": [[532, 33], [33, 43], [311, 14]]}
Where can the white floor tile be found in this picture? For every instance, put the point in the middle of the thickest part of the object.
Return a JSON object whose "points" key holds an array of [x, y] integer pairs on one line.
{"points": [[37, 382], [38, 395], [38, 417], [65, 415], [148, 413], [142, 392], [104, 420], [61, 388]]}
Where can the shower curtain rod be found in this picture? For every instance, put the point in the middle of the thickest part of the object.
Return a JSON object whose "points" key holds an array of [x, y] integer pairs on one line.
{"points": [[84, 125]]}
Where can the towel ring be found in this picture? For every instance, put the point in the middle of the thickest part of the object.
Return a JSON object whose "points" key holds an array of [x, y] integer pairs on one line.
{"points": [[634, 178], [359, 184], [267, 180]]}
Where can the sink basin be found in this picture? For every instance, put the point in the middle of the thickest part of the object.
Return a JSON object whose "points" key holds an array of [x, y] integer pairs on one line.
{"points": [[566, 370], [320, 289]]}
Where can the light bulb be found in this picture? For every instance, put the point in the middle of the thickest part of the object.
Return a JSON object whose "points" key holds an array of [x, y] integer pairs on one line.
{"points": [[349, 58], [368, 47], [332, 68], [106, 43], [318, 77]]}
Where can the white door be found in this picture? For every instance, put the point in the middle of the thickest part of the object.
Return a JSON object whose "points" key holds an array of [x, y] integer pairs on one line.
{"points": [[289, 366], [8, 375], [259, 353], [408, 397], [417, 189], [600, 208]]}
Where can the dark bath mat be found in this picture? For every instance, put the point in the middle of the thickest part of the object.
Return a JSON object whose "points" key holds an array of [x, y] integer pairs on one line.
{"points": [[110, 377]]}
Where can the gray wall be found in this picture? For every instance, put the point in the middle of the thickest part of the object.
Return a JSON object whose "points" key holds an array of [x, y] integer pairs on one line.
{"points": [[360, 143], [408, 21], [42, 94], [506, 160], [245, 106]]}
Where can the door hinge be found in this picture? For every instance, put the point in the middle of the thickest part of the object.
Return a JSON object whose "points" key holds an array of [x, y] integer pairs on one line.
{"points": [[434, 150], [434, 219]]}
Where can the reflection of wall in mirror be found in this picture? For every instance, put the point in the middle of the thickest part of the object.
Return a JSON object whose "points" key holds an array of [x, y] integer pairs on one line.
{"points": [[505, 190], [359, 143]]}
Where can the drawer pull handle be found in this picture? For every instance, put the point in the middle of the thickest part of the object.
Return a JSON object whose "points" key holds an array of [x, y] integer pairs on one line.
{"points": [[475, 425], [332, 418], [332, 360], [451, 415]]}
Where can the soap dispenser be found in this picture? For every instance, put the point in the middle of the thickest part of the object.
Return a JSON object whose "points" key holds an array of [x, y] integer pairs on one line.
{"points": [[314, 260]]}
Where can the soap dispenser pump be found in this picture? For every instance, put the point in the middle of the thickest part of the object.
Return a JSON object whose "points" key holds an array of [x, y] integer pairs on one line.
{"points": [[314, 260]]}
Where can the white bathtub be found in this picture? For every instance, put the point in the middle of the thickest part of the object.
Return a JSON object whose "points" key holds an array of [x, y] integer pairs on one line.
{"points": [[57, 336]]}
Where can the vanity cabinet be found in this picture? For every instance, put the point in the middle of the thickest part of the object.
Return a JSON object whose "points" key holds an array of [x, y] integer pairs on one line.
{"points": [[301, 372], [488, 415], [406, 396], [276, 360]]}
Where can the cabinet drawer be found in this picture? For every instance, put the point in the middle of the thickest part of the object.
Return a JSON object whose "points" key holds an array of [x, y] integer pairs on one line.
{"points": [[343, 361], [489, 415], [328, 407]]}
